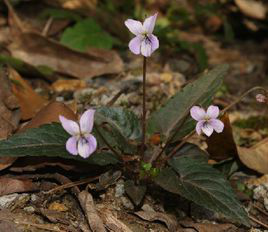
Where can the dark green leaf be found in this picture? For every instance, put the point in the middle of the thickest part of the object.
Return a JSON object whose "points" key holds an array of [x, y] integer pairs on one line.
{"points": [[199, 182], [48, 140], [87, 33], [135, 192], [166, 120], [123, 120]]}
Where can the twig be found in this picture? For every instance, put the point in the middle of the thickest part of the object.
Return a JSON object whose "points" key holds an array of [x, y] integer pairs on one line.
{"points": [[258, 222], [72, 184], [47, 26], [14, 15], [260, 209]]}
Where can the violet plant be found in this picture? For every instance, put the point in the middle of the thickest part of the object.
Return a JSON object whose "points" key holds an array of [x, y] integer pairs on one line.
{"points": [[111, 135]]}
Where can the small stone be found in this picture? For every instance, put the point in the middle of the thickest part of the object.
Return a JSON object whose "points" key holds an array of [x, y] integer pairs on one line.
{"points": [[29, 209], [260, 192], [265, 202], [127, 203], [34, 198], [147, 208], [5, 201], [119, 188]]}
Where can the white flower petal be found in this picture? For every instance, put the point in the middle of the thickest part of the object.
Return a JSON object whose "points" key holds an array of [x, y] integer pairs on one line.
{"points": [[87, 121], [135, 45], [199, 126], [213, 111], [92, 142], [83, 148], [217, 125], [69, 125], [146, 48], [154, 42], [134, 26], [207, 129], [71, 145], [197, 113], [149, 23]]}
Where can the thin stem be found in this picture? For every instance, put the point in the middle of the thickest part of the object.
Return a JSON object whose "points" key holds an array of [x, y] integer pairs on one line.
{"points": [[106, 142], [143, 108]]}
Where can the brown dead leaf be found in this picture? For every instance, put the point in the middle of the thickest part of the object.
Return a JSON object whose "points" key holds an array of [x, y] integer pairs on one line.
{"points": [[68, 85], [9, 113], [151, 216], [112, 223], [12, 185], [56, 206], [252, 8], [50, 113], [37, 50], [74, 4], [255, 157], [30, 102], [206, 227], [8, 226], [222, 146], [87, 203]]}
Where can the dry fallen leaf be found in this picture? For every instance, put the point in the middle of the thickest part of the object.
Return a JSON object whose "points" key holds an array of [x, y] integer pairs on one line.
{"points": [[68, 85], [11, 185], [151, 216], [37, 50], [222, 146], [87, 203], [255, 157], [50, 113], [30, 102], [252, 8]]}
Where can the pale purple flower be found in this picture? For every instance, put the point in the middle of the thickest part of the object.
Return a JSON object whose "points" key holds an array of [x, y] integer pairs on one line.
{"points": [[261, 98], [207, 121], [82, 141], [144, 42]]}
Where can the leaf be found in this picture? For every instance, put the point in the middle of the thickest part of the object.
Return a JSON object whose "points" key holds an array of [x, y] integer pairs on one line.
{"points": [[39, 51], [126, 122], [199, 182], [47, 140], [60, 14], [255, 157], [135, 192], [253, 9], [172, 114], [86, 33]]}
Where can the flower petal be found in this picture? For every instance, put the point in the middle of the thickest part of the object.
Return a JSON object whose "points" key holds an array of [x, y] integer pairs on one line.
{"points": [[217, 125], [207, 129], [71, 145], [146, 48], [69, 125], [197, 113], [83, 148], [134, 26], [213, 111], [149, 23], [154, 42], [135, 45], [92, 142], [199, 126], [87, 121]]}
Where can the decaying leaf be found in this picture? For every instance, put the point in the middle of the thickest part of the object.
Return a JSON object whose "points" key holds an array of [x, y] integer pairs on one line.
{"points": [[30, 102], [50, 113], [12, 185], [112, 223], [68, 85], [9, 113], [252, 8], [255, 157], [151, 216], [87, 203], [39, 51], [221, 146]]}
